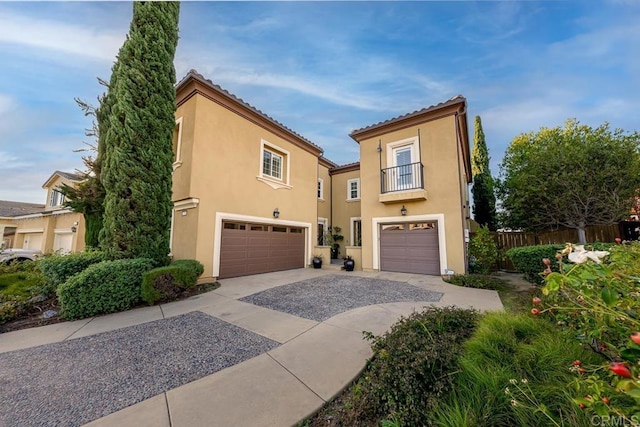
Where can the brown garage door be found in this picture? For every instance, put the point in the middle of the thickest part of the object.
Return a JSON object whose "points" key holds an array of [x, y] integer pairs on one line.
{"points": [[259, 248], [410, 248]]}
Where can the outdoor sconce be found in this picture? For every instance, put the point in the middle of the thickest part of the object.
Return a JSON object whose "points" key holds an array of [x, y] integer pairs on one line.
{"points": [[276, 213], [380, 147], [403, 211], [74, 227]]}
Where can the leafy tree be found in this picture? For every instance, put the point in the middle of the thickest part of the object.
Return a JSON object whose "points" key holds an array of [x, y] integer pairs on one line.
{"points": [[137, 165], [573, 177], [484, 198], [88, 196]]}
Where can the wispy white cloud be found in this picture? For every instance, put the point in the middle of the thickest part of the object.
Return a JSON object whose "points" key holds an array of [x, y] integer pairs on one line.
{"points": [[61, 37]]}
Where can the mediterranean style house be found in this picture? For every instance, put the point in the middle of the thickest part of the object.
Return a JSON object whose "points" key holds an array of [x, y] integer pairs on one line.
{"points": [[252, 196], [48, 227]]}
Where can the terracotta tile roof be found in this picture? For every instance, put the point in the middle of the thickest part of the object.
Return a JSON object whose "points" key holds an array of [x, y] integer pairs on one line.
{"points": [[328, 162], [69, 175], [455, 100], [193, 74], [345, 168], [11, 209]]}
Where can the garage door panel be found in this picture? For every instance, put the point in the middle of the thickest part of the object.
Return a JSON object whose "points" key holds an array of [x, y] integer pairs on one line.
{"points": [[254, 249], [410, 248]]}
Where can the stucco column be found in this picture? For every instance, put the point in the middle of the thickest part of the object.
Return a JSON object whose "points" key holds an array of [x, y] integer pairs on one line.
{"points": [[1, 235]]}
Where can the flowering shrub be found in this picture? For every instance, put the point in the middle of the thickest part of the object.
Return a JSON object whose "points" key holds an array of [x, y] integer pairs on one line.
{"points": [[600, 303]]}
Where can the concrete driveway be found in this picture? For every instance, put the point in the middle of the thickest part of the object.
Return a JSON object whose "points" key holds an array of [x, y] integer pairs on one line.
{"points": [[267, 349]]}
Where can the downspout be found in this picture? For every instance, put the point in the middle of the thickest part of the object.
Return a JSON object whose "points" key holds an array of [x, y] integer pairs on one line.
{"points": [[463, 211]]}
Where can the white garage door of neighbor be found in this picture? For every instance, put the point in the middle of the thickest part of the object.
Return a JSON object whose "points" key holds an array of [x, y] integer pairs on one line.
{"points": [[33, 241], [63, 242]]}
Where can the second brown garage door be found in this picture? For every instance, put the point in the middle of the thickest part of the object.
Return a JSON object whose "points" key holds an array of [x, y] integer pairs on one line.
{"points": [[259, 248], [410, 248]]}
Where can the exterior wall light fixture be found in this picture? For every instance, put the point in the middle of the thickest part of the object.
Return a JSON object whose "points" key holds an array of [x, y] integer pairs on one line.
{"points": [[276, 213], [403, 211]]}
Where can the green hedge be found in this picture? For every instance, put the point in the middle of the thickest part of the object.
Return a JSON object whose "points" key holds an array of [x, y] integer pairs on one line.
{"points": [[59, 268], [190, 264], [106, 287], [528, 259], [166, 283]]}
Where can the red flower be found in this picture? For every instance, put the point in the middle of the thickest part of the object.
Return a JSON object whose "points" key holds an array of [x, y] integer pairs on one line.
{"points": [[577, 363], [582, 406], [605, 400], [635, 337], [547, 271], [536, 300], [620, 370], [618, 240], [535, 311], [582, 370], [546, 261]]}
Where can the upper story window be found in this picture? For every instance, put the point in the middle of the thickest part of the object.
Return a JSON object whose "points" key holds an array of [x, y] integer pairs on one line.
{"points": [[271, 164], [274, 165], [353, 189], [320, 189], [177, 144], [56, 198]]}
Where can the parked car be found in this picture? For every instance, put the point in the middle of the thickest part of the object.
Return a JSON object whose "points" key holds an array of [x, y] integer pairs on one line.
{"points": [[8, 256]]}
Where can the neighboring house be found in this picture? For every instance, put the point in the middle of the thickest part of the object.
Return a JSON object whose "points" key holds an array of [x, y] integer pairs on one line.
{"points": [[49, 227], [414, 176]]}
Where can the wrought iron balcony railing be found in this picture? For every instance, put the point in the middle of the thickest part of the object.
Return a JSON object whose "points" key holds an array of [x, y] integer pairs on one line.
{"points": [[400, 178]]}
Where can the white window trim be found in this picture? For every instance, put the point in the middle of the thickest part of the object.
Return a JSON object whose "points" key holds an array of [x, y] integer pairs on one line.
{"points": [[442, 242], [325, 224], [349, 181], [178, 161], [274, 183], [223, 216], [352, 221], [321, 182], [409, 142]]}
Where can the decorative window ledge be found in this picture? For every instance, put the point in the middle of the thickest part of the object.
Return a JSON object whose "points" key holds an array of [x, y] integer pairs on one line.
{"points": [[403, 196], [352, 200], [276, 185], [176, 165], [186, 204]]}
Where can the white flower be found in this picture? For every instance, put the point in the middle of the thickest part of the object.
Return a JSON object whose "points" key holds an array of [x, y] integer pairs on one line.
{"points": [[580, 255]]}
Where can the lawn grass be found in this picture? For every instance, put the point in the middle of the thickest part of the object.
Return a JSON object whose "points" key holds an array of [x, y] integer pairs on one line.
{"points": [[20, 284]]}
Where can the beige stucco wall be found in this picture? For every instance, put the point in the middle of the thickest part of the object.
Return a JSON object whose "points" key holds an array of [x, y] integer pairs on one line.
{"points": [[47, 225], [442, 164], [324, 204], [344, 209], [222, 172]]}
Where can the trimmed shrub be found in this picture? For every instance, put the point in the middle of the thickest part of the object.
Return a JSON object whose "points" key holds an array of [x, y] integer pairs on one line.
{"points": [[483, 252], [106, 287], [11, 306], [21, 284], [412, 366], [528, 260], [59, 268], [167, 283], [190, 264]]}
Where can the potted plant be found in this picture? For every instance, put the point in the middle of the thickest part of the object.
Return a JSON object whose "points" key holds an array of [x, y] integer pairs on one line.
{"points": [[317, 261], [349, 263]]}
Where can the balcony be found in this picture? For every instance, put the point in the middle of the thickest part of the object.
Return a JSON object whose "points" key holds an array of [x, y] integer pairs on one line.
{"points": [[402, 183]]}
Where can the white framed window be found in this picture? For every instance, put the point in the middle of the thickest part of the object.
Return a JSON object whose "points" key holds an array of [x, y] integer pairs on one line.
{"points": [[356, 231], [353, 189], [56, 198], [274, 165], [322, 229], [177, 144], [401, 156], [320, 188], [271, 164]]}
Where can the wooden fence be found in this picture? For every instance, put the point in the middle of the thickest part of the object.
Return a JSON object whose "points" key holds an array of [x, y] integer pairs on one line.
{"points": [[515, 239]]}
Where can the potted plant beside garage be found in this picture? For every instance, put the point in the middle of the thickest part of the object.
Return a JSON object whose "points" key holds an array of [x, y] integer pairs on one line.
{"points": [[349, 263], [317, 261]]}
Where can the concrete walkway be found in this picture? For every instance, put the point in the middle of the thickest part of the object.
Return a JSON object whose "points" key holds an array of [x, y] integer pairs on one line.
{"points": [[314, 362]]}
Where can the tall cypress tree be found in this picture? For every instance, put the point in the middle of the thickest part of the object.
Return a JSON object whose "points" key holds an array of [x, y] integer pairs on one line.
{"points": [[484, 198], [137, 163]]}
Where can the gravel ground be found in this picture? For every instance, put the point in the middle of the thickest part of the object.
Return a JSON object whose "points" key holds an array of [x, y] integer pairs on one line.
{"points": [[323, 297], [73, 382]]}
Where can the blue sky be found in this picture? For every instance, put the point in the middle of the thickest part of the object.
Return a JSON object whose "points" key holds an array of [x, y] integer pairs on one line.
{"points": [[326, 68]]}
